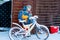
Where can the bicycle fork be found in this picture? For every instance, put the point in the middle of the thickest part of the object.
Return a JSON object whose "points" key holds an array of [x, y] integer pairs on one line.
{"points": [[30, 29]]}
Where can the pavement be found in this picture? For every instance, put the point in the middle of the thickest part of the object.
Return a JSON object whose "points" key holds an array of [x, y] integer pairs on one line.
{"points": [[4, 36]]}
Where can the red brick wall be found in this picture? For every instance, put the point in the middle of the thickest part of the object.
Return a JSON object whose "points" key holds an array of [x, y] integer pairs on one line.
{"points": [[47, 10], [17, 5]]}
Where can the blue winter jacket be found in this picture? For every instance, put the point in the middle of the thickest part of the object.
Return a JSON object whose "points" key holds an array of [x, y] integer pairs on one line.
{"points": [[25, 13]]}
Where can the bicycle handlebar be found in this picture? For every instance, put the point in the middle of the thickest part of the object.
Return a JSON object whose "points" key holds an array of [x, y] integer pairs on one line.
{"points": [[34, 17]]}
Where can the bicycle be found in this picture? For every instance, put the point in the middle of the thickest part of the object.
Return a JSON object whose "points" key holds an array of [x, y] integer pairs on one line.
{"points": [[41, 30]]}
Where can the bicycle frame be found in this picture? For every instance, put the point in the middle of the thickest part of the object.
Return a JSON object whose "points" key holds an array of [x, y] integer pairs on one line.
{"points": [[30, 29]]}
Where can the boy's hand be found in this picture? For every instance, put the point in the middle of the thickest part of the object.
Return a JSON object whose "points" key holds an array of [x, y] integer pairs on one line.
{"points": [[24, 20]]}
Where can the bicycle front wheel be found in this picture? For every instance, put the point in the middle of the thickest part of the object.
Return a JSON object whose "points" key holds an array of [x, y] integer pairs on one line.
{"points": [[13, 35], [42, 32]]}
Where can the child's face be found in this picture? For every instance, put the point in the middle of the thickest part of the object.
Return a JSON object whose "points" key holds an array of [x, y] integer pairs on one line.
{"points": [[28, 9]]}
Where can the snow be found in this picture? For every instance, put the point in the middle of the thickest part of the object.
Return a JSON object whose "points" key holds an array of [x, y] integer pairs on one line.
{"points": [[5, 36], [4, 28]]}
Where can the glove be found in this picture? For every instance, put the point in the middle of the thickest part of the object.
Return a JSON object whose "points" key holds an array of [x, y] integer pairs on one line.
{"points": [[22, 20]]}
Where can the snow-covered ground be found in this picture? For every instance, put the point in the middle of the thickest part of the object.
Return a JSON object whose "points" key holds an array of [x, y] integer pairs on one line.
{"points": [[5, 36]]}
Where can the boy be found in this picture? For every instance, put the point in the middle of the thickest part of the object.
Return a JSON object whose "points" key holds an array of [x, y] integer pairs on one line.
{"points": [[24, 16]]}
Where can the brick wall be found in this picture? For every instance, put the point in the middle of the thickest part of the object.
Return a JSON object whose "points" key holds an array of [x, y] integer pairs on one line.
{"points": [[47, 10]]}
